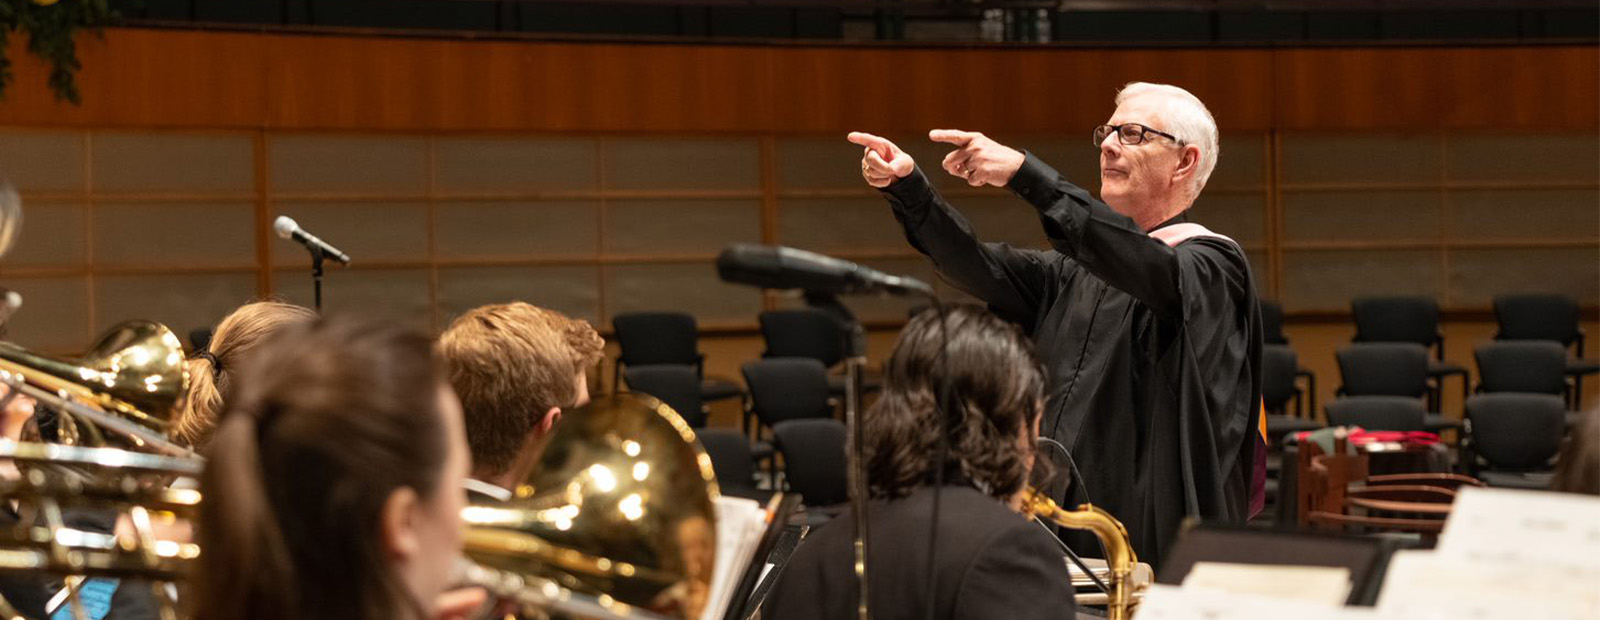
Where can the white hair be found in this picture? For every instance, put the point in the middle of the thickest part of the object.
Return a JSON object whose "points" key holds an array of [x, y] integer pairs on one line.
{"points": [[1185, 117]]}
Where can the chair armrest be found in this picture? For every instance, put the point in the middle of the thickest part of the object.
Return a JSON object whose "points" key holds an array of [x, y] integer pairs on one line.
{"points": [[1448, 481]]}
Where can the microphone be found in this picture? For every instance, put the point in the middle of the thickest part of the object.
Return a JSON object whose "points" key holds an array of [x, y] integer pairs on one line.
{"points": [[779, 267], [288, 229]]}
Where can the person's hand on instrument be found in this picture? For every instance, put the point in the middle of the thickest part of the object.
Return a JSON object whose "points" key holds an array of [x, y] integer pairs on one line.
{"points": [[883, 162], [978, 159]]}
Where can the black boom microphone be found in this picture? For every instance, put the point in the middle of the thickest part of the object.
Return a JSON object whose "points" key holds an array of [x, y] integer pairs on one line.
{"points": [[778, 267]]}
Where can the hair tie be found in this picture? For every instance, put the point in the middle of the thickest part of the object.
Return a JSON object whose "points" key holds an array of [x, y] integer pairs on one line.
{"points": [[216, 366]]}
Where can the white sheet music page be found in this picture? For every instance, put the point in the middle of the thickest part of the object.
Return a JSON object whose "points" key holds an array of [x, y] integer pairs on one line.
{"points": [[1162, 602], [1540, 527]]}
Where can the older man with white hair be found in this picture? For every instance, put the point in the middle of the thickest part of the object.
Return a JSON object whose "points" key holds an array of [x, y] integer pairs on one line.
{"points": [[1148, 323]]}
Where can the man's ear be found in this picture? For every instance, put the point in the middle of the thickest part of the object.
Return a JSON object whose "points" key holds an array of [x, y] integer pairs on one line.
{"points": [[400, 538], [549, 420], [1188, 163]]}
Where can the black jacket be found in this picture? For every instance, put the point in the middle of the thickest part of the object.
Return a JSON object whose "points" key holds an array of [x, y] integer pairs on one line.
{"points": [[1153, 352], [992, 563]]}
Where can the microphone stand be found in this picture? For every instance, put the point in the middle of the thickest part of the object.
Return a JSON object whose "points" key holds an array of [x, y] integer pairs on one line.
{"points": [[316, 275]]}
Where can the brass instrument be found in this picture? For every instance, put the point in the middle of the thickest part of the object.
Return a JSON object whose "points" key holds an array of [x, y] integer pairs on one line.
{"points": [[128, 383], [1120, 558], [617, 516], [126, 388]]}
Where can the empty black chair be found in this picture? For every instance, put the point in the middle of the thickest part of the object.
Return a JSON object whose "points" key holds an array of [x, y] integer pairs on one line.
{"points": [[1272, 323], [1533, 366], [1378, 413], [811, 333], [676, 385], [199, 338], [732, 461], [1388, 369], [813, 459], [1547, 317], [1408, 319], [1278, 388], [1512, 438], [654, 338], [787, 388]]}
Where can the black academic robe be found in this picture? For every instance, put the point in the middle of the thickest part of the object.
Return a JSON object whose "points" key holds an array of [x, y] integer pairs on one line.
{"points": [[992, 563], [1153, 352]]}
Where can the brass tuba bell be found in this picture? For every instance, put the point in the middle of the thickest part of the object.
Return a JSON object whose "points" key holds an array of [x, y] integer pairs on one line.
{"points": [[129, 383], [619, 510]]}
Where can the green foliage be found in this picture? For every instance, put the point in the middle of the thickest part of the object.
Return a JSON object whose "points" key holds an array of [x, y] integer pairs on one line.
{"points": [[52, 28]]}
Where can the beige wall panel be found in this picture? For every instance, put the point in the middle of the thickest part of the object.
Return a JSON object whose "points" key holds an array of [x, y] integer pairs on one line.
{"points": [[1328, 280], [839, 225], [821, 162], [52, 236], [499, 166], [1243, 162], [392, 294], [181, 302], [571, 290], [1239, 216], [680, 226], [685, 164], [170, 162], [347, 164], [367, 231], [174, 234], [503, 229], [1523, 157], [1360, 216], [1476, 276], [689, 287], [1360, 158], [1525, 214], [1072, 154], [55, 314], [43, 161]]}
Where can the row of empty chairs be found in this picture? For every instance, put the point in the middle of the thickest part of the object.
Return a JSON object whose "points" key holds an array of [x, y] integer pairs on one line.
{"points": [[1514, 418]]}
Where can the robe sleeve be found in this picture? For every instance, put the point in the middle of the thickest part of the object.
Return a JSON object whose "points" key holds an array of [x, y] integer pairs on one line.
{"points": [[1113, 248], [1014, 282]]}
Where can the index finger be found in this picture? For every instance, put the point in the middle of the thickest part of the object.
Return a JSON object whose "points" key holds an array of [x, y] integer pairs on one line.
{"points": [[884, 147], [952, 136]]}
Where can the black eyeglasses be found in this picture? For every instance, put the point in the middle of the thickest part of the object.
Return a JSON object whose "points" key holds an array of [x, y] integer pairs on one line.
{"points": [[1130, 134]]}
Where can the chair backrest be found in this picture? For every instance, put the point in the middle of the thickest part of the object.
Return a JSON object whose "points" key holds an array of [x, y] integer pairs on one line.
{"points": [[730, 456], [804, 332], [1378, 413], [787, 388], [1384, 369], [1537, 317], [1516, 432], [1272, 323], [1396, 319], [1278, 367], [676, 385], [1535, 366], [656, 338], [814, 460]]}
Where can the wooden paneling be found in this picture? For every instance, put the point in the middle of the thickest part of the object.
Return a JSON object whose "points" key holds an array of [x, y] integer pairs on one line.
{"points": [[161, 78]]}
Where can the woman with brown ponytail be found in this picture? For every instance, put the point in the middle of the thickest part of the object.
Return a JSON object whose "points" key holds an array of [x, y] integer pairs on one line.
{"points": [[234, 340], [333, 486]]}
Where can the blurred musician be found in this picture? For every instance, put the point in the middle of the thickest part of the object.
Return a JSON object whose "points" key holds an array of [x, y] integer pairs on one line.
{"points": [[212, 367], [516, 367], [990, 561], [333, 485]]}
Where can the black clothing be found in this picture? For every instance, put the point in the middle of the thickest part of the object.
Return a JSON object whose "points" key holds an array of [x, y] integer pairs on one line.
{"points": [[992, 563], [1153, 352]]}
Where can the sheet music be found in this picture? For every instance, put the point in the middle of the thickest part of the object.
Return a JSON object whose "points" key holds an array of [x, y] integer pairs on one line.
{"points": [[1324, 585], [1536, 527], [1426, 585], [1164, 602], [740, 523]]}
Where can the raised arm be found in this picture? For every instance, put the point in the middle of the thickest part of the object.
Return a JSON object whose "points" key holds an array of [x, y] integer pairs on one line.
{"points": [[1012, 281]]}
